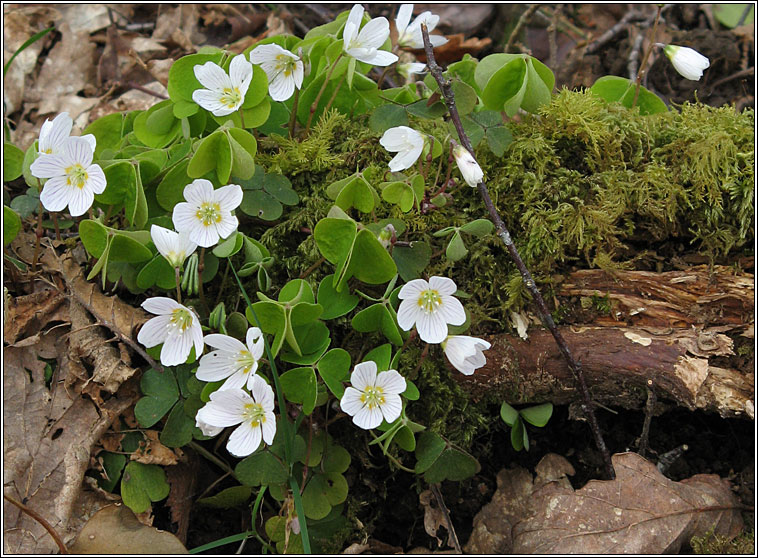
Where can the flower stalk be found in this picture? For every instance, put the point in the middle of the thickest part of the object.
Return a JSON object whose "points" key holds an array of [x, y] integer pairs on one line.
{"points": [[501, 230]]}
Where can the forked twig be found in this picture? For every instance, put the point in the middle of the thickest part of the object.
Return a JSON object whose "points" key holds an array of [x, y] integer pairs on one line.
{"points": [[576, 369]]}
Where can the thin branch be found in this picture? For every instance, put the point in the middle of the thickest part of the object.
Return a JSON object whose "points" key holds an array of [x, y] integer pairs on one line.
{"points": [[630, 16], [443, 508], [521, 22], [42, 521], [502, 232]]}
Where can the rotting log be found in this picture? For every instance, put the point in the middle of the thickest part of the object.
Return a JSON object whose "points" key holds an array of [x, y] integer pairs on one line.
{"points": [[669, 329]]}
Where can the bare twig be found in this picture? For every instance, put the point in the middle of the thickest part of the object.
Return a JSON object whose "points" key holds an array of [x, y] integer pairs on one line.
{"points": [[42, 521], [634, 57], [643, 67], [587, 405], [643, 446], [630, 16], [521, 22], [450, 529]]}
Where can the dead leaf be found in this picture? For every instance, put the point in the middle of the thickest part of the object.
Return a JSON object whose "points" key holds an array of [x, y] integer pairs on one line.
{"points": [[116, 530], [433, 516], [640, 512], [182, 478], [179, 26], [153, 452], [27, 315]]}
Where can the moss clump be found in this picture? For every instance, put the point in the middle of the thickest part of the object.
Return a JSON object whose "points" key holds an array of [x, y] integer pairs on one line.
{"points": [[711, 543]]}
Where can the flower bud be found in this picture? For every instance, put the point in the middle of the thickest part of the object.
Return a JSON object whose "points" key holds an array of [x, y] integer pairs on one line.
{"points": [[688, 62], [470, 169]]}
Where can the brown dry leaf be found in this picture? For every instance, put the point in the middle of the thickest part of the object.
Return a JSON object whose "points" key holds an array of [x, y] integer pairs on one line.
{"points": [[455, 48], [153, 452], [182, 478], [433, 516], [640, 512], [179, 26], [116, 530], [27, 315], [48, 435]]}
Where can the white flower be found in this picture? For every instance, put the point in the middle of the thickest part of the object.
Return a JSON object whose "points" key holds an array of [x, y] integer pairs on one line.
{"points": [[470, 169], [53, 134], [207, 429], [364, 46], [283, 69], [224, 93], [465, 353], [373, 396], [407, 142], [255, 416], [175, 247], [410, 35], [73, 179], [409, 68], [233, 360], [207, 214], [688, 62], [430, 306], [176, 326]]}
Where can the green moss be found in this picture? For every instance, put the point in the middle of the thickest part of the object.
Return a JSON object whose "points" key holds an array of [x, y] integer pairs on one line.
{"points": [[711, 543]]}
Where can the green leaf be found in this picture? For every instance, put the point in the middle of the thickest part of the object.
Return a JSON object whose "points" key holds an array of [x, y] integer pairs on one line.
{"points": [[11, 225], [498, 139], [387, 116], [405, 439], [94, 236], [378, 317], [456, 249], [178, 429], [243, 148], [182, 82], [412, 260], [27, 43], [299, 386], [466, 98], [108, 131], [230, 246], [478, 227], [157, 126], [422, 109], [508, 414], [323, 491], [121, 177], [371, 263], [334, 368], [13, 162], [518, 435], [280, 188], [617, 89], [399, 193], [730, 15], [355, 191], [453, 464], [157, 271], [206, 157], [411, 391], [381, 355], [505, 88], [160, 393], [126, 249], [232, 497], [170, 190], [113, 465], [261, 468], [537, 91], [335, 303], [260, 204], [537, 415], [142, 484], [429, 447], [336, 459]]}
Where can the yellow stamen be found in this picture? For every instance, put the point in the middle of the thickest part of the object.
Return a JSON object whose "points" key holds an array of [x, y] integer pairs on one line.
{"points": [[254, 414], [373, 396], [429, 300], [209, 213]]}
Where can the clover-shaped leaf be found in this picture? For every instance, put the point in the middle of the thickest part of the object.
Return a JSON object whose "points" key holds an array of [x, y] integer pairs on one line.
{"points": [[160, 393], [142, 484]]}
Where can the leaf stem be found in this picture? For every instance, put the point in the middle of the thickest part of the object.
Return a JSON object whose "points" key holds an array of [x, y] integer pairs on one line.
{"points": [[314, 105], [576, 370], [642, 71]]}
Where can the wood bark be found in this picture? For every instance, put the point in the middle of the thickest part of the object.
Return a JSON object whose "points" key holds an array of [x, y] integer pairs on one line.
{"points": [[672, 332]]}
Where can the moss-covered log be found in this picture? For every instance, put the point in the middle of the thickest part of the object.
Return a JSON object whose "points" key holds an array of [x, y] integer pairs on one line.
{"points": [[670, 329]]}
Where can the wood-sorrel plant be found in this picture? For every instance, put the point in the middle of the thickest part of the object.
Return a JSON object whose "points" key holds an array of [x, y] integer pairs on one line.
{"points": [[287, 367]]}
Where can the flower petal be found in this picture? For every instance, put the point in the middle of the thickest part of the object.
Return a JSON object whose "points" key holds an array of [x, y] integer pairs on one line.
{"points": [[77, 150], [212, 76], [198, 191], [229, 197], [351, 401], [431, 327], [442, 285], [211, 101], [374, 33], [368, 418], [56, 194], [176, 348], [241, 72], [244, 440], [407, 314], [391, 382], [204, 236], [185, 218], [80, 201], [161, 305], [96, 181], [268, 427], [452, 310], [154, 331], [403, 18], [413, 289], [52, 134], [48, 166], [392, 407], [281, 87], [225, 342], [226, 226], [364, 375]]}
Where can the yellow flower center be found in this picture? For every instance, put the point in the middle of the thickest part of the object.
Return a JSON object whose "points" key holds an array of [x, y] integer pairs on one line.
{"points": [[373, 396], [245, 361], [231, 97], [209, 213], [76, 175], [285, 64], [429, 300], [181, 319], [254, 414]]}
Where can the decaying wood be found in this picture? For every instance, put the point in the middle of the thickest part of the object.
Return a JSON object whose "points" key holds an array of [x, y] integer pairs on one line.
{"points": [[667, 328]]}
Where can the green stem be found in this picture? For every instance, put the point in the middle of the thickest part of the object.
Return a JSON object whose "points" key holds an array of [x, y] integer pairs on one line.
{"points": [[334, 95], [289, 434], [178, 286], [314, 106], [212, 458], [200, 269]]}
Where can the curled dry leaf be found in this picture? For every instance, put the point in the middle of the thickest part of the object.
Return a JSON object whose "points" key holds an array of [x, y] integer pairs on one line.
{"points": [[640, 512], [153, 452]]}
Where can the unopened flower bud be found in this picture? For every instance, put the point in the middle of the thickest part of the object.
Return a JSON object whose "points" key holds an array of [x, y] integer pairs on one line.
{"points": [[688, 62], [470, 169]]}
